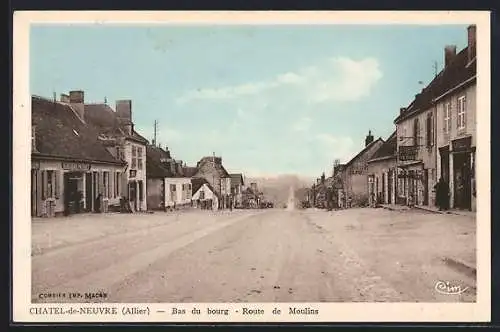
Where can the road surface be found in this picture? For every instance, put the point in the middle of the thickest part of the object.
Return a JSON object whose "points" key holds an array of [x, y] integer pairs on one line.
{"points": [[273, 255]]}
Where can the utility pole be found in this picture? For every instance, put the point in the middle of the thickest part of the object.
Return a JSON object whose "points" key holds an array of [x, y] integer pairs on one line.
{"points": [[155, 130]]}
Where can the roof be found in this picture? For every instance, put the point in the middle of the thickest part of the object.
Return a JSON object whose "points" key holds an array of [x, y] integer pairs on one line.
{"points": [[458, 71], [154, 166], [237, 179], [189, 171], [60, 133], [387, 149], [197, 183], [217, 162], [106, 119], [366, 148]]}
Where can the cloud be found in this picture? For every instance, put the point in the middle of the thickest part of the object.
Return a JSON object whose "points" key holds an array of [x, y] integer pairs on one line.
{"points": [[334, 79], [302, 125], [336, 147]]}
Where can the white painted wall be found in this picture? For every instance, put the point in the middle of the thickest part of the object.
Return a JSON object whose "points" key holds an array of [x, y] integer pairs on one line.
{"points": [[208, 195], [179, 198]]}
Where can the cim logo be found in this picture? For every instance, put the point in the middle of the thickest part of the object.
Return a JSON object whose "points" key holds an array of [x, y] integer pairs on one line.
{"points": [[450, 288]]}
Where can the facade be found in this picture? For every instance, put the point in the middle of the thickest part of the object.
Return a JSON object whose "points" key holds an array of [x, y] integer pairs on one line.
{"points": [[382, 173], [355, 174], [456, 122], [116, 130], [72, 171], [212, 170], [237, 184], [168, 187], [204, 195], [450, 96]]}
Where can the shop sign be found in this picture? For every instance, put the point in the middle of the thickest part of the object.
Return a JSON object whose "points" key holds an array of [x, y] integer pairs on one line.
{"points": [[407, 153], [462, 144], [74, 166]]}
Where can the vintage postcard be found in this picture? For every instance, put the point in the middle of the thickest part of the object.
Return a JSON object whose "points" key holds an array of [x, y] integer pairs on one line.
{"points": [[251, 167]]}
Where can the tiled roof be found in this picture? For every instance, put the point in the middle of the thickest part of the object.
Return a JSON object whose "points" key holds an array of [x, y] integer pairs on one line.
{"points": [[189, 171], [459, 70], [197, 183], [154, 166], [60, 133], [105, 118], [237, 179], [217, 162], [362, 152], [387, 149]]}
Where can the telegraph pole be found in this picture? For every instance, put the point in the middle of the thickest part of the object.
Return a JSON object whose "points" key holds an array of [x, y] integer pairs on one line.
{"points": [[155, 131]]}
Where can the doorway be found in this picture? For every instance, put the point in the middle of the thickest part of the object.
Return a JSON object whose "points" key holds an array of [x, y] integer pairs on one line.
{"points": [[425, 180], [71, 194], [390, 181], [462, 180], [132, 194], [89, 197]]}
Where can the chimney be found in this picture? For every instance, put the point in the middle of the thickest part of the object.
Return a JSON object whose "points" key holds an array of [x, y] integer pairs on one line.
{"points": [[402, 110], [471, 42], [124, 114], [369, 138], [65, 98], [77, 100], [449, 53]]}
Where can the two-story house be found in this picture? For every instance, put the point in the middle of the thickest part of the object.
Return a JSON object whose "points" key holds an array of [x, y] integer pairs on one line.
{"points": [[212, 170], [237, 184], [117, 132], [382, 173], [456, 122], [72, 170], [355, 174], [416, 126], [167, 185]]}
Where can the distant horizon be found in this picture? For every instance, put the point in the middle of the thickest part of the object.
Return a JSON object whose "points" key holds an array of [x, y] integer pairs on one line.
{"points": [[266, 111]]}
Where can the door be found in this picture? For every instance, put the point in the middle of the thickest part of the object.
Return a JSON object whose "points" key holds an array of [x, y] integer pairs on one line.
{"points": [[383, 188], [390, 177], [133, 194], [462, 180], [89, 197], [425, 181], [34, 192]]}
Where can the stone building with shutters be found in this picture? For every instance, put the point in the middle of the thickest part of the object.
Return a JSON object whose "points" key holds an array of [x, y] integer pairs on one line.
{"points": [[117, 133], [456, 124], [212, 170], [382, 173], [168, 181], [72, 171], [446, 98]]}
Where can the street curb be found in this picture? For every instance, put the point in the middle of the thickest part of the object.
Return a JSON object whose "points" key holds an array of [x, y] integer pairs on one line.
{"points": [[461, 266], [428, 210]]}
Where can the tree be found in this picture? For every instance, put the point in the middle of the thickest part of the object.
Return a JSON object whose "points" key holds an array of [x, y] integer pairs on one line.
{"points": [[336, 163]]}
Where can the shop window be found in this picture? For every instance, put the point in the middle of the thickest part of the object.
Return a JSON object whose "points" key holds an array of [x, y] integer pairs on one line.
{"points": [[50, 184]]}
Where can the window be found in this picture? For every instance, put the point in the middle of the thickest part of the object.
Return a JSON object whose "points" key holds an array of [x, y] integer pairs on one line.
{"points": [[430, 129], [461, 108], [202, 194], [139, 157], [134, 156], [117, 184], [33, 138], [105, 184], [50, 184], [416, 131], [447, 118]]}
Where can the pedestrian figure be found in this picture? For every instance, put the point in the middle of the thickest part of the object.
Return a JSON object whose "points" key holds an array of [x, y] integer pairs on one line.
{"points": [[442, 194]]}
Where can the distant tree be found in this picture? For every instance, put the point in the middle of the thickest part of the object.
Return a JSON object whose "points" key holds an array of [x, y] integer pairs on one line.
{"points": [[336, 163]]}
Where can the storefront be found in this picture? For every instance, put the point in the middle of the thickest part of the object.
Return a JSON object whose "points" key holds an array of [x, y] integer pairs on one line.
{"points": [[463, 166], [70, 187]]}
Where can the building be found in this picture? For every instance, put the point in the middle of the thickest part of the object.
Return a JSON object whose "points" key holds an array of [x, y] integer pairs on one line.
{"points": [[382, 173], [417, 124], [212, 170], [167, 186], [354, 174], [237, 184], [456, 124], [204, 195], [72, 171], [250, 198], [116, 130]]}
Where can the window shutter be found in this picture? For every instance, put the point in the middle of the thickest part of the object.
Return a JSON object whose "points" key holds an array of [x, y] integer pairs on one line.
{"points": [[112, 190], [464, 110], [44, 185], [56, 182]]}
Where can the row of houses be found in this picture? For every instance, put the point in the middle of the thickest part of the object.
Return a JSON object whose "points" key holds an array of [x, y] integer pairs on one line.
{"points": [[89, 158], [434, 137]]}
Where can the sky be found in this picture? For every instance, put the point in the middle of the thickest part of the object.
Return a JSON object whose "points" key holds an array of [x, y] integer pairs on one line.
{"points": [[268, 99]]}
